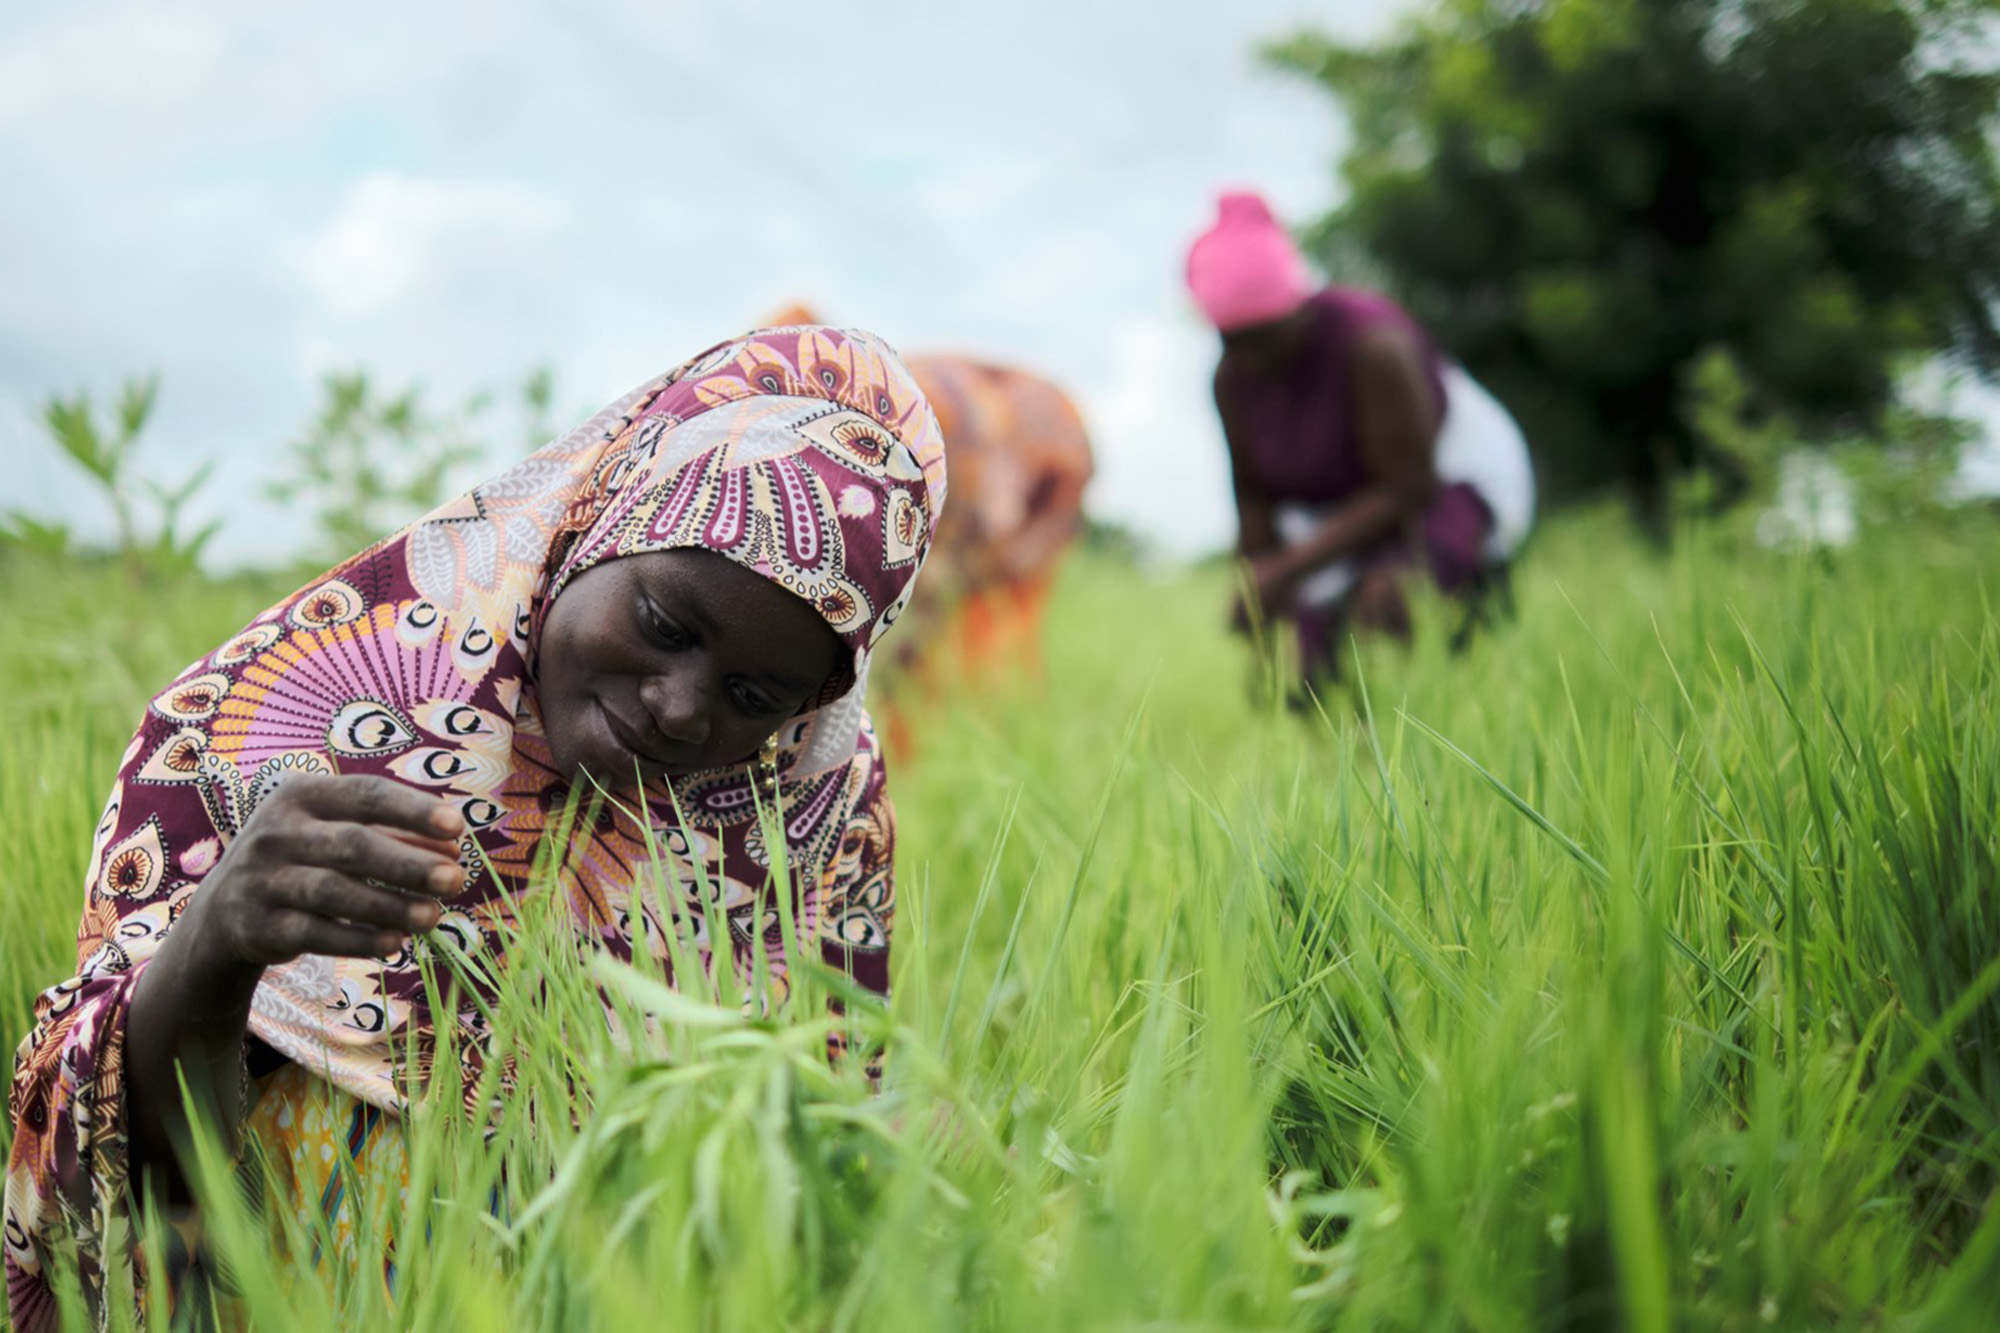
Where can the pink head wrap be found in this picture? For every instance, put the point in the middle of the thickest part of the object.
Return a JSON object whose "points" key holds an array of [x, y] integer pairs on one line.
{"points": [[1245, 270]]}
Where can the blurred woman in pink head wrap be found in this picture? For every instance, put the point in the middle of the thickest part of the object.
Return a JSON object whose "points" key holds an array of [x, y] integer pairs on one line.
{"points": [[1359, 454]]}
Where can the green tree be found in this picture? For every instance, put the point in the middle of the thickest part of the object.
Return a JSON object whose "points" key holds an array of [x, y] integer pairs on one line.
{"points": [[1583, 198], [147, 517], [370, 462]]}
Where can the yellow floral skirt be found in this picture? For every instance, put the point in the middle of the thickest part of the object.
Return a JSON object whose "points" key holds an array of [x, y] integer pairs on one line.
{"points": [[320, 1143]]}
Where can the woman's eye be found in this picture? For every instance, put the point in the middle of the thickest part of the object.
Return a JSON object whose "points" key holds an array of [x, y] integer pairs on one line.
{"points": [[661, 630], [754, 702]]}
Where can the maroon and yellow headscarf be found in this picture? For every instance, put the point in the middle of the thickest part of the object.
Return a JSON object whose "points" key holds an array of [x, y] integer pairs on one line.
{"points": [[807, 454]]}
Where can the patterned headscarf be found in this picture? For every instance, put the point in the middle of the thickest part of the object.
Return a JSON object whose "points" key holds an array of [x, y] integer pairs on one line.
{"points": [[806, 454]]}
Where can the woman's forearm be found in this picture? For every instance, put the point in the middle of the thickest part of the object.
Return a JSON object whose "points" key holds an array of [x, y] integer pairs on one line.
{"points": [[1256, 529], [1050, 526], [1359, 523], [189, 1019], [342, 867]]}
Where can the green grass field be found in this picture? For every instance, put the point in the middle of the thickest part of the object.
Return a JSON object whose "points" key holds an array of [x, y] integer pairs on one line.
{"points": [[1639, 968]]}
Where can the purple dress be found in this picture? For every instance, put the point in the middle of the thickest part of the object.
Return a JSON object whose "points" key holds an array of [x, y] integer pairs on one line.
{"points": [[1299, 438]]}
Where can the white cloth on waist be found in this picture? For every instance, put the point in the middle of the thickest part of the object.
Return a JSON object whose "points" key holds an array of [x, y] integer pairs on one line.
{"points": [[1479, 445]]}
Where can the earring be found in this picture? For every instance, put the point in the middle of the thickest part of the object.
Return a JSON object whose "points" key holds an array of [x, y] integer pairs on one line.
{"points": [[767, 765]]}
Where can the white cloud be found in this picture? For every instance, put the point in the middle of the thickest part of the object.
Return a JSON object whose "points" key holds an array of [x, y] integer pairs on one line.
{"points": [[245, 195], [1161, 467], [134, 57], [391, 226]]}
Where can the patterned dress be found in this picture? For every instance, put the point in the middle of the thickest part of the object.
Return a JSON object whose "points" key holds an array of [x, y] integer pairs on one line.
{"points": [[806, 454]]}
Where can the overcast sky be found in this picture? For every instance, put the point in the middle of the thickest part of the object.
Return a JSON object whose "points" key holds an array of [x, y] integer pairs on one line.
{"points": [[246, 195]]}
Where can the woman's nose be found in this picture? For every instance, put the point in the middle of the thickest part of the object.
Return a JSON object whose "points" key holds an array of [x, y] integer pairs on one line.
{"points": [[680, 704]]}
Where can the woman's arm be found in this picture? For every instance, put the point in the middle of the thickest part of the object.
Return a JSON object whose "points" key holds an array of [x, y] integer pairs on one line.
{"points": [[341, 866], [1053, 470], [1397, 415], [1256, 529], [162, 992]]}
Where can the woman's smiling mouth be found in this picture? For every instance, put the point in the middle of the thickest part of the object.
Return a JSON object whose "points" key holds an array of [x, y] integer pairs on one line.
{"points": [[626, 740]]}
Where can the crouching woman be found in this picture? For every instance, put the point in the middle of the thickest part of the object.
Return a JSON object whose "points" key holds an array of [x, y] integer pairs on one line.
{"points": [[673, 604]]}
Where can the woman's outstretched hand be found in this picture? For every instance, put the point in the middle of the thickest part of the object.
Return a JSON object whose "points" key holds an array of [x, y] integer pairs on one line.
{"points": [[1270, 581], [346, 866]]}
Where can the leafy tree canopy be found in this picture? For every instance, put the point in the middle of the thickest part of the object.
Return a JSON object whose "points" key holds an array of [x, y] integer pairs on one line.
{"points": [[1582, 197]]}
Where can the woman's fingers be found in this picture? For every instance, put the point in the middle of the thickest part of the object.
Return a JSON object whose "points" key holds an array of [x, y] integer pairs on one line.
{"points": [[286, 934], [331, 895], [367, 853], [346, 866], [362, 798], [445, 847]]}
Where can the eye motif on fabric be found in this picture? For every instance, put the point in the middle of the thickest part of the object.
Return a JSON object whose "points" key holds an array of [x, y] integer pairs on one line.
{"points": [[861, 929], [892, 612], [473, 649], [418, 624], [193, 700], [903, 525], [135, 865], [464, 770], [861, 443], [458, 721], [462, 930], [361, 1010], [248, 644], [334, 602], [176, 759], [364, 727], [479, 812], [107, 823]]}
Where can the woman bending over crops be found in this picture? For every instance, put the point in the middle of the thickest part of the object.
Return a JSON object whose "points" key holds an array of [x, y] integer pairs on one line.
{"points": [[670, 609], [1359, 454]]}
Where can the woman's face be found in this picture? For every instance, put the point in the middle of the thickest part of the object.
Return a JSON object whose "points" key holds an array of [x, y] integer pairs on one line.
{"points": [[1269, 349], [672, 661]]}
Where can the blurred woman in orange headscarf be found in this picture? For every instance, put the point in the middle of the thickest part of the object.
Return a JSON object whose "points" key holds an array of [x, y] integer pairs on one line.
{"points": [[1020, 462]]}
